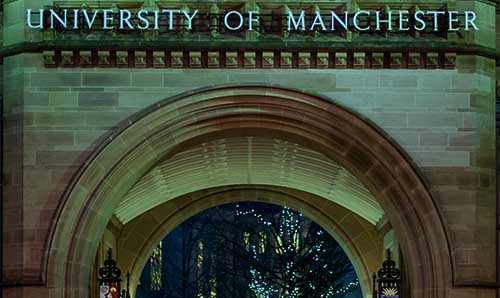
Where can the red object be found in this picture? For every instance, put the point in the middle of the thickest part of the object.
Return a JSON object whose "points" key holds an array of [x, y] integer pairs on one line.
{"points": [[109, 292]]}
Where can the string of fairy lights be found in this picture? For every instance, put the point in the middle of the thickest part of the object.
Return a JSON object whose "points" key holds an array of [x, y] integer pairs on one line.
{"points": [[287, 229], [331, 293], [260, 287]]}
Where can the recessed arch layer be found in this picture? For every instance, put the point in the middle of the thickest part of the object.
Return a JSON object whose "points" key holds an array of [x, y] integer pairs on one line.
{"points": [[249, 160], [171, 126]]}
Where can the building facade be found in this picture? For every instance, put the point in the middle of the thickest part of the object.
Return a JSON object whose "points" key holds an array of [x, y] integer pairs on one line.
{"points": [[112, 138]]}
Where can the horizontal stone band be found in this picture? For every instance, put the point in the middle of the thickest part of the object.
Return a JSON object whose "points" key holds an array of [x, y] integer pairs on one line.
{"points": [[249, 59]]}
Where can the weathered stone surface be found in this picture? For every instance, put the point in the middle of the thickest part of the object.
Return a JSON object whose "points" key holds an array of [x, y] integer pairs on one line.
{"points": [[110, 79], [434, 139], [443, 119], [36, 99], [94, 99], [147, 79], [56, 79], [59, 118], [63, 99]]}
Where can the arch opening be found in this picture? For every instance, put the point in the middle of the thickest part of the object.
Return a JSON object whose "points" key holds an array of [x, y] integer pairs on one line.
{"points": [[248, 249], [359, 239]]}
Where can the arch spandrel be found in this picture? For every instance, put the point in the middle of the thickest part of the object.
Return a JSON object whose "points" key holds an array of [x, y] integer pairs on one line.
{"points": [[344, 137]]}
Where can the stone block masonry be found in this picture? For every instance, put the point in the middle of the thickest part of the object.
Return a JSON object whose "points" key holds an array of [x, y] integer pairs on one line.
{"points": [[439, 116], [443, 118]]}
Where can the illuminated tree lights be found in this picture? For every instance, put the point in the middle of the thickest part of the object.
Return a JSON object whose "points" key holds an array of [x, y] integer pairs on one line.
{"points": [[249, 250], [302, 247]]}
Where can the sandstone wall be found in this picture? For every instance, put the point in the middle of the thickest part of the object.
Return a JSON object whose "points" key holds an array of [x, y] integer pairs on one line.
{"points": [[443, 119]]}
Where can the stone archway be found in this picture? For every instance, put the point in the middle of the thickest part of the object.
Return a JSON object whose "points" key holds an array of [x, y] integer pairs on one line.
{"points": [[315, 122], [359, 239]]}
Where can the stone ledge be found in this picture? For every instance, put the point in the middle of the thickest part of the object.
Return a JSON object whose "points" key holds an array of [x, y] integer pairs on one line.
{"points": [[250, 59]]}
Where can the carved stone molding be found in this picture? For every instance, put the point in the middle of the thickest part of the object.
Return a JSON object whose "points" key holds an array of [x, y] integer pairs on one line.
{"points": [[250, 59]]}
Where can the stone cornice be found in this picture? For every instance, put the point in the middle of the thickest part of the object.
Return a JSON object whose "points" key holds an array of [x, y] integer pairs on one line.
{"points": [[249, 59], [279, 46]]}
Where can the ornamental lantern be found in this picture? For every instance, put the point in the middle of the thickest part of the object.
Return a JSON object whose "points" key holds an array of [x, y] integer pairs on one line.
{"points": [[388, 279], [110, 280]]}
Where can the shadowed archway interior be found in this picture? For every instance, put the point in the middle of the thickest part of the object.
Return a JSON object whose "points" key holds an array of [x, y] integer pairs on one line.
{"points": [[358, 237], [350, 151]]}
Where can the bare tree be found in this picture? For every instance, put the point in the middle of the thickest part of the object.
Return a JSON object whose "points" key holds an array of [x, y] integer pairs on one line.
{"points": [[256, 250]]}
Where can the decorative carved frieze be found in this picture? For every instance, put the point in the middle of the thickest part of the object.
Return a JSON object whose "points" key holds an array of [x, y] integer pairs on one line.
{"points": [[177, 59], [140, 59], [213, 60], [340, 60], [159, 59], [450, 60], [286, 60], [104, 59], [232, 59], [122, 58], [195, 59], [249, 59], [432, 60], [67, 58], [304, 60], [323, 60], [359, 60], [396, 60], [377, 60], [268, 60], [414, 60]]}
